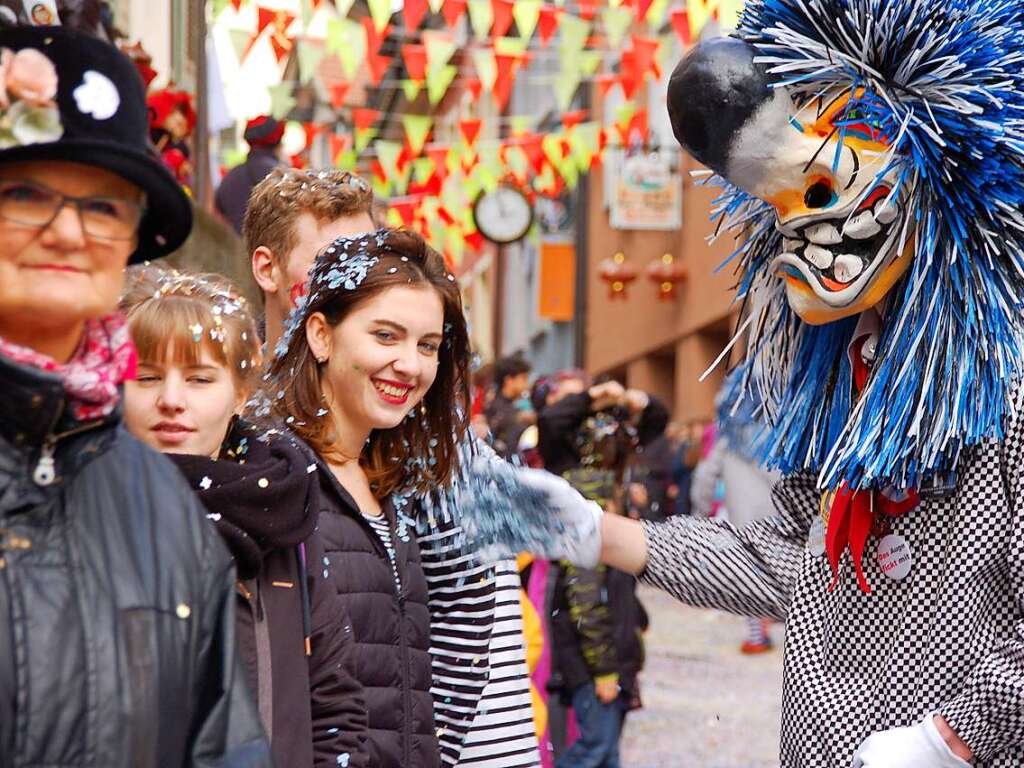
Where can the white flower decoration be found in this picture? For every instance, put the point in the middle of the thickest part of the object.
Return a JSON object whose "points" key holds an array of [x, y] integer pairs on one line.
{"points": [[97, 96], [34, 125]]}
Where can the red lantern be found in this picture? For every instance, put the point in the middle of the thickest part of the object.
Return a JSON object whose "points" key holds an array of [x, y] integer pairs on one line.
{"points": [[618, 273], [665, 273]]}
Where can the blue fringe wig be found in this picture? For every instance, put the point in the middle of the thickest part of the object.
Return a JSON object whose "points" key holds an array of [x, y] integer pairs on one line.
{"points": [[946, 79]]}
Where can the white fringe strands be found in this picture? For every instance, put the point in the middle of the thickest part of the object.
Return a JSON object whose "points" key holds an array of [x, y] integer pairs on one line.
{"points": [[944, 80]]}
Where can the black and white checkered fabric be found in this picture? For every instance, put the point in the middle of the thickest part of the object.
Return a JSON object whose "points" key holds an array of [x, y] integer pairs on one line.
{"points": [[949, 638]]}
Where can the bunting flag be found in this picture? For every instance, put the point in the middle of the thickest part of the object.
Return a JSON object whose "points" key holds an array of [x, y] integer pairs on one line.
{"points": [[338, 145], [413, 12], [347, 40], [574, 34], [587, 9], [338, 93], [470, 130], [310, 55], [281, 100], [440, 48], [502, 11], [378, 66], [656, 14], [363, 118], [241, 42], [453, 10], [412, 89], [375, 37], [278, 21], [617, 22], [439, 82], [526, 14], [415, 58], [548, 22], [506, 65], [584, 141], [380, 13], [435, 5], [417, 129], [486, 67], [481, 17], [680, 18]]}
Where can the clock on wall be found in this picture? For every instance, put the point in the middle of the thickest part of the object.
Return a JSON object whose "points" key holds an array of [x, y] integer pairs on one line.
{"points": [[504, 215]]}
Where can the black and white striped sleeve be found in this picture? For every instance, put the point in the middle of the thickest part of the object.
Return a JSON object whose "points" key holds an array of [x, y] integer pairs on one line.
{"points": [[751, 570]]}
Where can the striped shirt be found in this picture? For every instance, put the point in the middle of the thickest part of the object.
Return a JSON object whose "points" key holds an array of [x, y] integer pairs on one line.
{"points": [[382, 528], [481, 688]]}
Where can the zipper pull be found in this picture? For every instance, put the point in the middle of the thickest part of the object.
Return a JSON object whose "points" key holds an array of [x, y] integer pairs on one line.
{"points": [[46, 469]]}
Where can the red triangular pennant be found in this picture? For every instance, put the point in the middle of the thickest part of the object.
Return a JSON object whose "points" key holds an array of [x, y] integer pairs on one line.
{"points": [[569, 119], [374, 39], [439, 154], [312, 129], [681, 24], [474, 240], [453, 10], [364, 118], [414, 11], [378, 66], [475, 87], [605, 83], [338, 145], [587, 9], [338, 93], [415, 58], [502, 11], [470, 130], [642, 7], [547, 23], [507, 65]]}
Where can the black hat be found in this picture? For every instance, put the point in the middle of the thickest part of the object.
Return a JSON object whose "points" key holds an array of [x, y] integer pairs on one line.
{"points": [[104, 123]]}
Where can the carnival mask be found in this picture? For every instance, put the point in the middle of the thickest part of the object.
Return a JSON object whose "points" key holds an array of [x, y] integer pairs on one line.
{"points": [[823, 167]]}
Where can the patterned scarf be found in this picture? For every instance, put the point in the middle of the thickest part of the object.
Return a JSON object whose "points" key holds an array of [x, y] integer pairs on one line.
{"points": [[105, 358]]}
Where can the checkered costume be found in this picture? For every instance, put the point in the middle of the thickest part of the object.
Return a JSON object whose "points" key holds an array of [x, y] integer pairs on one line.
{"points": [[948, 638]]}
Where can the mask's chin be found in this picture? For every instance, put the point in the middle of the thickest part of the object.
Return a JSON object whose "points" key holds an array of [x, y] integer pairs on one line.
{"points": [[843, 264]]}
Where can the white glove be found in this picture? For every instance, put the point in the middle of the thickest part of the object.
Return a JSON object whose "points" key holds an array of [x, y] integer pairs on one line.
{"points": [[918, 746], [580, 541]]}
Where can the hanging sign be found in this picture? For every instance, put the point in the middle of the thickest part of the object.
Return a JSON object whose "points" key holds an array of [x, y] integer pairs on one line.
{"points": [[646, 193]]}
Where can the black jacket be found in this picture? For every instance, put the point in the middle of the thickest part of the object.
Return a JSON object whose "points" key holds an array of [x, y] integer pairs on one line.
{"points": [[392, 628], [558, 426], [117, 624], [265, 503], [596, 626]]}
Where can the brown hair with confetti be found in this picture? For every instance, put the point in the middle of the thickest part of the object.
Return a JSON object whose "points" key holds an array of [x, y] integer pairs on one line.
{"points": [[421, 453], [173, 316], [286, 193]]}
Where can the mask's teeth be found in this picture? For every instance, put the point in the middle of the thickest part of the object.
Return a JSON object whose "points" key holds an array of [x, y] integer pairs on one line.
{"points": [[823, 234], [886, 211], [862, 226], [818, 256], [847, 267]]}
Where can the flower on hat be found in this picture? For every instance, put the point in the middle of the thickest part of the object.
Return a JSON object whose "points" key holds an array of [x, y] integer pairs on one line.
{"points": [[31, 77], [28, 87]]}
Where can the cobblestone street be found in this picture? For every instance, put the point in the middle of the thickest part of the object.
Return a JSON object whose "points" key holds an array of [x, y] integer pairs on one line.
{"points": [[705, 705]]}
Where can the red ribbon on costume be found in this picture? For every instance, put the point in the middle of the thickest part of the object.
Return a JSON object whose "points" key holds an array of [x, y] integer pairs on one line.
{"points": [[853, 512], [850, 521]]}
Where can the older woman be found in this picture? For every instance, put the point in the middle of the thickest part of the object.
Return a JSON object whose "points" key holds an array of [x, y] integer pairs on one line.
{"points": [[116, 597]]}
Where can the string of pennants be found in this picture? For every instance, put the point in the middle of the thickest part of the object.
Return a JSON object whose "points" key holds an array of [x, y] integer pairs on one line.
{"points": [[430, 184]]}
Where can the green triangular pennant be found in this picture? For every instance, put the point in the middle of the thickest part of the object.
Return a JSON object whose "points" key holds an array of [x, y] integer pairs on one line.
{"points": [[281, 100], [617, 22], [481, 17], [417, 129], [411, 89], [526, 13], [438, 83], [310, 56]]}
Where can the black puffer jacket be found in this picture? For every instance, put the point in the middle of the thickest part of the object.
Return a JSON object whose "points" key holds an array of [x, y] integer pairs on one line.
{"points": [[117, 624], [392, 629], [294, 634]]}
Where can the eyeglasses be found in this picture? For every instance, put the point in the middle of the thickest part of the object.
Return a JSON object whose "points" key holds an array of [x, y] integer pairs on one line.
{"points": [[35, 205]]}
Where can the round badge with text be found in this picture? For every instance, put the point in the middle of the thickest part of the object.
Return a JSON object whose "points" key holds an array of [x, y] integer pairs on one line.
{"points": [[894, 557]]}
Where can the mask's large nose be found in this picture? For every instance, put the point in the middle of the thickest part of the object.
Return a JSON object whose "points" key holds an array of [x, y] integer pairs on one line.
{"points": [[713, 92]]}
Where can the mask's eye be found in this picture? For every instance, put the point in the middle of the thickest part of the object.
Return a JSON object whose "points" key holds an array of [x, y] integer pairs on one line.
{"points": [[819, 195]]}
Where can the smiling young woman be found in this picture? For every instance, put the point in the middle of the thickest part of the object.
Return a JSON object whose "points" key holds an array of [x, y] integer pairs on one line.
{"points": [[373, 373]]}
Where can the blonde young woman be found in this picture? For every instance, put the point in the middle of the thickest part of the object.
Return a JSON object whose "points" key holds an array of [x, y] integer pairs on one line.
{"points": [[199, 361]]}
